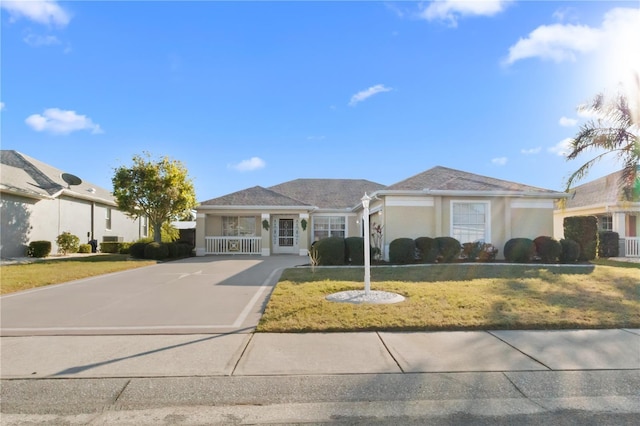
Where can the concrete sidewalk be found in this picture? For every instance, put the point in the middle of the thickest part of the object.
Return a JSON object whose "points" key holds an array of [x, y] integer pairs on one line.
{"points": [[247, 354]]}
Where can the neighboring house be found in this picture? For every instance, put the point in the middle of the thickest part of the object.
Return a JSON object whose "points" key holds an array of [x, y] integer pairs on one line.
{"points": [[38, 204], [602, 198], [437, 202]]}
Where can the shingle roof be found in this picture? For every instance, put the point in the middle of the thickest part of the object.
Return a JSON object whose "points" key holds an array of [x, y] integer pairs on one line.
{"points": [[25, 175], [256, 196], [328, 193], [445, 179], [605, 190]]}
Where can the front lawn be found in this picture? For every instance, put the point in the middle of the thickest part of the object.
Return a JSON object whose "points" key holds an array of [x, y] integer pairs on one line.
{"points": [[19, 277], [459, 297]]}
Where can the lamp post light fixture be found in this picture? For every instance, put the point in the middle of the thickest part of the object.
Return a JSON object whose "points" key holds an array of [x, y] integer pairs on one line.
{"points": [[367, 251]]}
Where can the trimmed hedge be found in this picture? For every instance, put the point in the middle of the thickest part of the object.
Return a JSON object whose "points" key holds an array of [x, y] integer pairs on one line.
{"points": [[402, 251], [427, 249], [156, 251], [608, 244], [84, 248], [354, 250], [136, 250], [39, 249], [520, 250], [329, 251], [449, 248], [570, 251], [548, 249], [110, 247], [584, 231]]}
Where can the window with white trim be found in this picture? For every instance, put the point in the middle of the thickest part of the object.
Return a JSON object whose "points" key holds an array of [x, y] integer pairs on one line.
{"points": [[605, 223], [238, 226], [144, 224], [108, 219], [470, 221], [328, 226]]}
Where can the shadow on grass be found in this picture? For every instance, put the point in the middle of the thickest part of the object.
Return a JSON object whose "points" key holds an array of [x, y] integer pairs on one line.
{"points": [[433, 273]]}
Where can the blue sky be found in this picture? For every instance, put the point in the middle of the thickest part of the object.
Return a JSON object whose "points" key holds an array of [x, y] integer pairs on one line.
{"points": [[258, 93]]}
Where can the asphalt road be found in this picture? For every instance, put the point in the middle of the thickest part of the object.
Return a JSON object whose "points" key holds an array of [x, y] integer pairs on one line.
{"points": [[194, 295]]}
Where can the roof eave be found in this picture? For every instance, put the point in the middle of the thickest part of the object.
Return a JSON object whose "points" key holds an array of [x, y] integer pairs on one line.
{"points": [[256, 207]]}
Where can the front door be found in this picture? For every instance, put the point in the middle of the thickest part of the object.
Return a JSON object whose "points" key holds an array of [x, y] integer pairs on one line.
{"points": [[285, 236]]}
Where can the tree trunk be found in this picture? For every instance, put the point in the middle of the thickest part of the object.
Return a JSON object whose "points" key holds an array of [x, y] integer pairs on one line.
{"points": [[157, 232]]}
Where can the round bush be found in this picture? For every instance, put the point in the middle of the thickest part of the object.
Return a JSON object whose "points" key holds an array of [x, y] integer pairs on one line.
{"points": [[570, 251], [608, 244], [519, 250], [136, 250], [39, 249], [448, 248], [172, 250], [329, 251], [427, 249], [548, 249], [156, 251], [354, 247], [84, 248], [402, 251], [67, 243]]}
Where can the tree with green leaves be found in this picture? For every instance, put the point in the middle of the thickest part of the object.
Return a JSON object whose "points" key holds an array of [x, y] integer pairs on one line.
{"points": [[614, 130], [160, 190]]}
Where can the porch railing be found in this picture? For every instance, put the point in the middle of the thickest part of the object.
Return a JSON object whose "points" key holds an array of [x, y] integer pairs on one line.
{"points": [[632, 247], [233, 245]]}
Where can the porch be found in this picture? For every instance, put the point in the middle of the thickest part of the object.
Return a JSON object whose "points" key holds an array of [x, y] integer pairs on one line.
{"points": [[233, 245], [631, 246]]}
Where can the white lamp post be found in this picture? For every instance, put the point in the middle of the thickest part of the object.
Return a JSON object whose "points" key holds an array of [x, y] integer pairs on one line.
{"points": [[367, 251]]}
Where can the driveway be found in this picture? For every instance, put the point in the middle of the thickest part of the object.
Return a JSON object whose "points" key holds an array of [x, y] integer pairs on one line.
{"points": [[196, 295]]}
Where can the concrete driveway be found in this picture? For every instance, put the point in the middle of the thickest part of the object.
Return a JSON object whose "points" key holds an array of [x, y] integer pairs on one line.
{"points": [[196, 295]]}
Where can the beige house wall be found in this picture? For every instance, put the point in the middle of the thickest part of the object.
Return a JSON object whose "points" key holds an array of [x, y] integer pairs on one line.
{"points": [[531, 223]]}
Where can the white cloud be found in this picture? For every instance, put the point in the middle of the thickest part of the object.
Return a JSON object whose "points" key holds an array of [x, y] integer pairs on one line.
{"points": [[2, 106], [562, 148], [364, 94], [531, 151], [500, 161], [567, 122], [62, 122], [47, 12], [253, 163], [34, 40], [452, 10], [557, 42]]}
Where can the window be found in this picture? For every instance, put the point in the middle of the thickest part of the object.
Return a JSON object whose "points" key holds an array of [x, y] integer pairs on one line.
{"points": [[238, 226], [328, 226], [605, 223], [470, 221], [108, 219], [144, 224]]}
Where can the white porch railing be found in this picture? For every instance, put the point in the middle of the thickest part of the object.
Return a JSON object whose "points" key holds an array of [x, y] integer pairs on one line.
{"points": [[233, 245], [632, 247]]}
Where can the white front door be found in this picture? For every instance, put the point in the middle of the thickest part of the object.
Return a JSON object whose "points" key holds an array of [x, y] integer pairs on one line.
{"points": [[285, 235]]}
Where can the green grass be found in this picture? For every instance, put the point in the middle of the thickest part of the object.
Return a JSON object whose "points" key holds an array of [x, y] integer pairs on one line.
{"points": [[459, 297], [18, 277]]}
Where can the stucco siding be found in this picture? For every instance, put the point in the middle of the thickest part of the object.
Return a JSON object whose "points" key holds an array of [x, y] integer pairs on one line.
{"points": [[408, 222], [531, 223], [353, 227]]}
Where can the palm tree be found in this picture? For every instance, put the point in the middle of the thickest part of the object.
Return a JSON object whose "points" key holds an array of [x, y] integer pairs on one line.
{"points": [[616, 131]]}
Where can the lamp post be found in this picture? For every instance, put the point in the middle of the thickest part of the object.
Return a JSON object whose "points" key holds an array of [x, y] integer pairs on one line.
{"points": [[367, 251]]}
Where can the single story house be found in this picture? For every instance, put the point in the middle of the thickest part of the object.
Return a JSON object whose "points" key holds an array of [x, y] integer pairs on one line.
{"points": [[289, 217], [40, 202], [603, 199]]}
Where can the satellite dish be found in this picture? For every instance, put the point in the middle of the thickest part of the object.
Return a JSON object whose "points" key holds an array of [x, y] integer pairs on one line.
{"points": [[71, 179]]}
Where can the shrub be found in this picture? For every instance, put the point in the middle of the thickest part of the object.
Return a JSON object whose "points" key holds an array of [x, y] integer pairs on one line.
{"points": [[608, 244], [67, 243], [39, 249], [519, 250], [110, 247], [402, 251], [172, 249], [354, 253], [124, 248], [548, 249], [329, 251], [449, 248], [427, 249], [184, 249], [570, 251], [136, 250], [584, 231], [156, 251], [84, 248]]}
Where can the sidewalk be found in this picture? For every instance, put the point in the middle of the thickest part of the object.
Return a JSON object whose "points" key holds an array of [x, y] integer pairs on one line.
{"points": [[265, 354]]}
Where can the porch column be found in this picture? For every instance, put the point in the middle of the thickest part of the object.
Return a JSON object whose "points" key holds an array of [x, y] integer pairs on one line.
{"points": [[201, 220], [619, 225], [266, 235], [303, 245]]}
